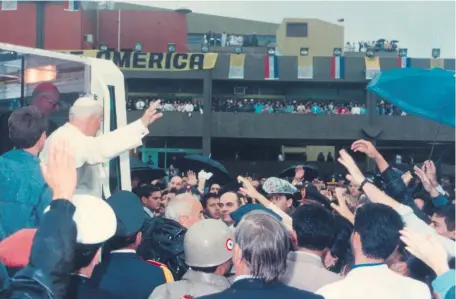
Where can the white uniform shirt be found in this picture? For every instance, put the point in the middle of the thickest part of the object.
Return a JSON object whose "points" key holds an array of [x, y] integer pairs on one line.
{"points": [[375, 282]]}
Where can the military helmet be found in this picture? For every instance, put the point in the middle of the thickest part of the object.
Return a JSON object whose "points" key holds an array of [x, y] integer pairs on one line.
{"points": [[208, 243]]}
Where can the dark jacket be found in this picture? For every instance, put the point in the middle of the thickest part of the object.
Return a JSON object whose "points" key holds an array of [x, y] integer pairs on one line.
{"points": [[163, 241], [127, 275], [51, 259], [257, 288], [397, 189], [83, 288]]}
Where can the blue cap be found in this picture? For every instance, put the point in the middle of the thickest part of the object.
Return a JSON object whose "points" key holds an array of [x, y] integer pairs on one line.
{"points": [[245, 209]]}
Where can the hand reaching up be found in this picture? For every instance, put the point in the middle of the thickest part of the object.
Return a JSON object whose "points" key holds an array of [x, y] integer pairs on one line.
{"points": [[431, 172], [365, 147], [247, 187], [151, 114], [428, 249], [191, 178], [342, 207], [355, 175], [60, 170]]}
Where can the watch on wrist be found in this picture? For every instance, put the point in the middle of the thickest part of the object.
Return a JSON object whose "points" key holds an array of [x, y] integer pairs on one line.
{"points": [[366, 180]]}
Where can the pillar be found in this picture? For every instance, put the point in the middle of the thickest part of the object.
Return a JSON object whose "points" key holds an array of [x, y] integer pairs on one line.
{"points": [[207, 113]]}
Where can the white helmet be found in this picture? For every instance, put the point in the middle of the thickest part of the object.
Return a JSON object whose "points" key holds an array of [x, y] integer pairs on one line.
{"points": [[208, 243]]}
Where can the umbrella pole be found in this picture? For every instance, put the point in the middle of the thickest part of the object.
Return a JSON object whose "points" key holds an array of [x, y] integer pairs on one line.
{"points": [[434, 142]]}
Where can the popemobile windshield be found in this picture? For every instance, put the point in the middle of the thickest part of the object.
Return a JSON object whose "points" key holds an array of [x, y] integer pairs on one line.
{"points": [[24, 69]]}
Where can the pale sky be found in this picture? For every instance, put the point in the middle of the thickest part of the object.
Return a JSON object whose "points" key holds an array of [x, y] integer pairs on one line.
{"points": [[418, 25]]}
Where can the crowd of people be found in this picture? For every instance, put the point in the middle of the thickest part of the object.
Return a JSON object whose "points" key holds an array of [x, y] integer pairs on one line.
{"points": [[300, 107], [266, 106], [384, 108], [192, 236], [380, 45], [213, 39], [187, 106]]}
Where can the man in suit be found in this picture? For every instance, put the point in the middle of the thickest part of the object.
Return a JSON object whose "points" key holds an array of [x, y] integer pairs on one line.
{"points": [[375, 237], [46, 99], [122, 272], [313, 228], [91, 150], [260, 258], [150, 196]]}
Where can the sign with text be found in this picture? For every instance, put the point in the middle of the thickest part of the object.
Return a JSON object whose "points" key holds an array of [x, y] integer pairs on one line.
{"points": [[147, 61]]}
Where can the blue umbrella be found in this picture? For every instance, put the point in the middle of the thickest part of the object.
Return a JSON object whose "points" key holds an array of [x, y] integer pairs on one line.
{"points": [[427, 93]]}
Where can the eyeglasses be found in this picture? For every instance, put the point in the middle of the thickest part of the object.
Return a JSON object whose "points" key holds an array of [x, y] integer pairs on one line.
{"points": [[54, 104]]}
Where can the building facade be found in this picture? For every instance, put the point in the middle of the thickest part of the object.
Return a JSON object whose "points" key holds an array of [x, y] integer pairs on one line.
{"points": [[191, 75]]}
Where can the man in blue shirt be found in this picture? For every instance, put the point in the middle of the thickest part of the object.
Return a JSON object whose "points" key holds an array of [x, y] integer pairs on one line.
{"points": [[23, 192]]}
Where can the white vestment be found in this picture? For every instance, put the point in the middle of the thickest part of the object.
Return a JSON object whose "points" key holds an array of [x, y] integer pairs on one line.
{"points": [[91, 152]]}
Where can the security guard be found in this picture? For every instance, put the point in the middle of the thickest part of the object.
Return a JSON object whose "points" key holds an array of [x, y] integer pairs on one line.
{"points": [[208, 246], [123, 272]]}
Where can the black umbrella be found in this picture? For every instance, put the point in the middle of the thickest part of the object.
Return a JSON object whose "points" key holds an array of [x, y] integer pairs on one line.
{"points": [[145, 172], [311, 172], [197, 163]]}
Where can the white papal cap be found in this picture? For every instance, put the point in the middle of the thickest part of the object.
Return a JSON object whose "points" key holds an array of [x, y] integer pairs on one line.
{"points": [[95, 220], [85, 106], [86, 101]]}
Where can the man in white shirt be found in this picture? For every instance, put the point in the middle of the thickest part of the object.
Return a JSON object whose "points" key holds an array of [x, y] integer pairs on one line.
{"points": [[91, 150], [375, 237]]}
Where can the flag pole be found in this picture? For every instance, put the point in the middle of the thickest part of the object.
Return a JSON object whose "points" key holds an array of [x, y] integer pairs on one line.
{"points": [[118, 30]]}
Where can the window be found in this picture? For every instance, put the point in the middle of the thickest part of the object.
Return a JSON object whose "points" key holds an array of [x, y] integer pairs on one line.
{"points": [[194, 39], [265, 40], [114, 164], [296, 29]]}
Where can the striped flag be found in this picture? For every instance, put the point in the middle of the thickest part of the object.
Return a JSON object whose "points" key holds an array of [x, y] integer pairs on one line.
{"points": [[337, 67], [403, 62], [305, 67], [71, 5], [372, 67], [271, 67], [236, 66]]}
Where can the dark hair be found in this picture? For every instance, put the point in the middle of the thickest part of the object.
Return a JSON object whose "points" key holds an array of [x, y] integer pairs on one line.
{"points": [[378, 226], [84, 255], [206, 198], [146, 191], [116, 243], [416, 268], [314, 226], [173, 190], [447, 212], [26, 126], [341, 243]]}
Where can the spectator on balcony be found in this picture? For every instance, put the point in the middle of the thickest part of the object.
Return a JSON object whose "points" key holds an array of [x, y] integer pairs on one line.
{"points": [[223, 39], [355, 110]]}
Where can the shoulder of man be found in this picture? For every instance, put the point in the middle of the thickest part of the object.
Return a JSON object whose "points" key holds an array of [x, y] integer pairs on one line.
{"points": [[166, 272]]}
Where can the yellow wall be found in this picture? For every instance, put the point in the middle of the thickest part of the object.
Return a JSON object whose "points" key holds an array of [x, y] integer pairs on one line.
{"points": [[322, 38]]}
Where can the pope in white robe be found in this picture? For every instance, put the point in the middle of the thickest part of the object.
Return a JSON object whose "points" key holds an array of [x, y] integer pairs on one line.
{"points": [[90, 150]]}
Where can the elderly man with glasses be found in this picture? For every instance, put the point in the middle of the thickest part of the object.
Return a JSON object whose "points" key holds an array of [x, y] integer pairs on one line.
{"points": [[261, 246], [46, 98]]}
